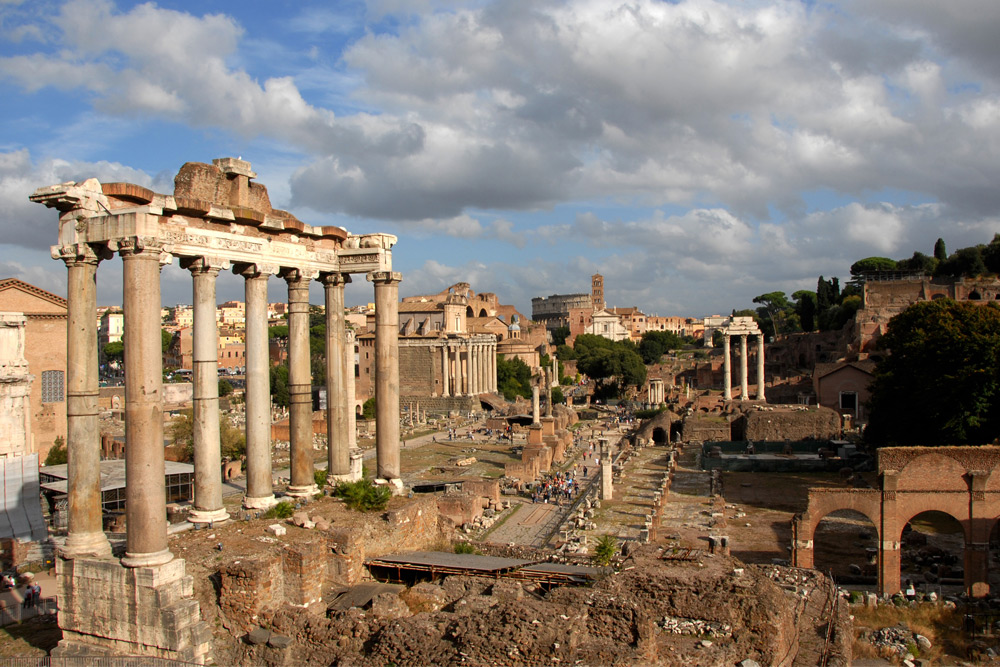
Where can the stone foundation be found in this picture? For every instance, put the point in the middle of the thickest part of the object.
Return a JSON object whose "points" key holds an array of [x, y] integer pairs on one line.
{"points": [[108, 609]]}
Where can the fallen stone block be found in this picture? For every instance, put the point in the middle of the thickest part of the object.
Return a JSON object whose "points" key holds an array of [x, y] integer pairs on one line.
{"points": [[277, 529]]}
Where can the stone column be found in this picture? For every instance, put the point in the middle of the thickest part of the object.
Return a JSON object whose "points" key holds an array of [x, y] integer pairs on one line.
{"points": [[547, 378], [86, 536], [445, 372], [145, 489], [727, 381], [387, 374], [534, 405], [457, 363], [260, 492], [352, 429], [302, 481], [493, 367], [473, 368], [760, 367], [744, 384], [208, 506], [337, 400]]}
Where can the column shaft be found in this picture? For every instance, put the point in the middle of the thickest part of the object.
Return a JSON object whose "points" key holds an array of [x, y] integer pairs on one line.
{"points": [[260, 491], [727, 380], [473, 369], [145, 484], [445, 372], [352, 430], [387, 373], [457, 363], [302, 481], [337, 405], [83, 438], [744, 382], [205, 356], [760, 367]]}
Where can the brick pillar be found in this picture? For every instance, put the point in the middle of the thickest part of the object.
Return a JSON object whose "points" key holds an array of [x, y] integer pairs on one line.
{"points": [[387, 373], [86, 536], [977, 545], [337, 401], [145, 490], [260, 492], [727, 381], [302, 482], [889, 536]]}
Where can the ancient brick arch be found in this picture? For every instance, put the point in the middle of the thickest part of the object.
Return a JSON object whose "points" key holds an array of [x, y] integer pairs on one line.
{"points": [[958, 481]]}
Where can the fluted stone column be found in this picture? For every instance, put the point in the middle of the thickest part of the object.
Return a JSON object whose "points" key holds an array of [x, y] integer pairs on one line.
{"points": [[260, 480], [208, 506], [337, 401], [727, 381], [302, 481], [744, 382], [457, 362], [445, 372], [352, 429], [86, 536], [760, 367], [145, 484], [387, 373]]}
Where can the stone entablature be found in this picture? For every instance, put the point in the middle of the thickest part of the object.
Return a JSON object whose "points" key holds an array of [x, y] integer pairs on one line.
{"points": [[216, 219]]}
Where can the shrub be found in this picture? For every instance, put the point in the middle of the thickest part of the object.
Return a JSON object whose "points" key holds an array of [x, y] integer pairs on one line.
{"points": [[465, 548], [282, 510], [605, 550], [363, 495], [57, 455], [320, 477]]}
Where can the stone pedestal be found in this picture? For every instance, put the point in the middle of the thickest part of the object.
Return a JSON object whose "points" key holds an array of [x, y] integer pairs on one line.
{"points": [[606, 481], [535, 435], [108, 609], [548, 426]]}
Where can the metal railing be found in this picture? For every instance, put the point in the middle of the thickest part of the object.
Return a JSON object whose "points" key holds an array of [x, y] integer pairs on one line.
{"points": [[96, 661]]}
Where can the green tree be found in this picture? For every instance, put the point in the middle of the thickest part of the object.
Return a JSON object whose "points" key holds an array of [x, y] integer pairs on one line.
{"points": [[114, 351], [964, 262], [57, 455], [940, 384], [513, 378], [940, 251], [559, 336], [368, 409], [557, 396], [565, 353], [873, 265], [991, 255], [615, 367], [805, 307], [919, 263], [225, 387], [654, 344], [279, 385], [166, 337], [774, 314]]}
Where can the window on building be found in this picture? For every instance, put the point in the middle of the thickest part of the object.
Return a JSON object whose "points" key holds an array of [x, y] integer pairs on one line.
{"points": [[849, 400], [52, 386]]}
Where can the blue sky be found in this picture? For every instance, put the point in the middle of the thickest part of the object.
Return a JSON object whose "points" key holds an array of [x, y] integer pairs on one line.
{"points": [[697, 153]]}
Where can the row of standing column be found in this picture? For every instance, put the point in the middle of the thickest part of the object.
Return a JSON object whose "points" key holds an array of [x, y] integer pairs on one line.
{"points": [[146, 537], [727, 391], [476, 376]]}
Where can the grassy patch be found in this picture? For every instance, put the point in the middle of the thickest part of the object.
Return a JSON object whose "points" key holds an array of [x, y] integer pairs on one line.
{"points": [[940, 625]]}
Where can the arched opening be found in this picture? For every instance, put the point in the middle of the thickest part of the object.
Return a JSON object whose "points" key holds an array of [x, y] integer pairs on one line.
{"points": [[469, 312], [676, 430], [845, 543], [659, 436], [935, 297], [975, 296], [932, 549], [483, 313]]}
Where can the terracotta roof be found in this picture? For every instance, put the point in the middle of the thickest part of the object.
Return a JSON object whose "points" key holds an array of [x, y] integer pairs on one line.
{"points": [[866, 366], [418, 307], [14, 283]]}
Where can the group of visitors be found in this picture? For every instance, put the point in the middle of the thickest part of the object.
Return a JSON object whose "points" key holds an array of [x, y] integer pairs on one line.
{"points": [[32, 592], [554, 488]]}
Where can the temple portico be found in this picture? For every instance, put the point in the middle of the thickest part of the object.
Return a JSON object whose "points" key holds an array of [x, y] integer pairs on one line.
{"points": [[216, 218], [741, 327]]}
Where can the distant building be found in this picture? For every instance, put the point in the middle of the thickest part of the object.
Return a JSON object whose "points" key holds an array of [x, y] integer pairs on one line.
{"points": [[45, 352], [597, 291], [553, 311]]}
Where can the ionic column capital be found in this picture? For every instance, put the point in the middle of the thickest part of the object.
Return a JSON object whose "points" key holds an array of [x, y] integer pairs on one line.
{"points": [[335, 279], [81, 253], [256, 270], [207, 265], [385, 277]]}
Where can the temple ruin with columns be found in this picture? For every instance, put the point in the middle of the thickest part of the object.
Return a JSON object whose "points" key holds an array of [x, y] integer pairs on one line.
{"points": [[217, 219]]}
